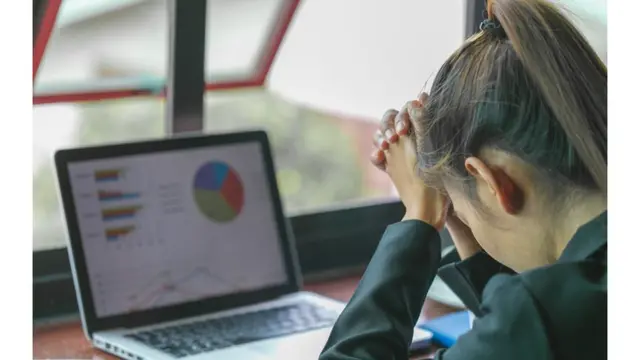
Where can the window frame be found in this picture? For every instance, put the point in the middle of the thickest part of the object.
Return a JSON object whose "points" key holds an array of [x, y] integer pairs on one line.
{"points": [[255, 80], [44, 18], [331, 242]]}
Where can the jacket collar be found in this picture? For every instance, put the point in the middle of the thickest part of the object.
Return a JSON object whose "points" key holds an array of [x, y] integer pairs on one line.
{"points": [[589, 239]]}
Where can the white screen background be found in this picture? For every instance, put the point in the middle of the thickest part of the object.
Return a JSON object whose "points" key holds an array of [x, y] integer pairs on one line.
{"points": [[175, 254]]}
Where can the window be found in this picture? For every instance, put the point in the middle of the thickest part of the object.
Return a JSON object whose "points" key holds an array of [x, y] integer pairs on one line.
{"points": [[321, 158], [238, 33], [130, 36], [133, 37]]}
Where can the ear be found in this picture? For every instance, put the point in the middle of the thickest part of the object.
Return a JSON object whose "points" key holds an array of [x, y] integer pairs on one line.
{"points": [[500, 184]]}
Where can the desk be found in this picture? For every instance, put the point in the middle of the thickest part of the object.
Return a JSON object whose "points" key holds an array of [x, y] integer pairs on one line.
{"points": [[67, 341]]}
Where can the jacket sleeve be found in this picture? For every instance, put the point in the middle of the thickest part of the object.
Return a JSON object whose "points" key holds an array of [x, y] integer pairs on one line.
{"points": [[511, 328], [378, 321], [468, 278]]}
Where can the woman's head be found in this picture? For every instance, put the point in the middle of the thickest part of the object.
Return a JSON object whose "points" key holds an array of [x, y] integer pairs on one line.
{"points": [[515, 128]]}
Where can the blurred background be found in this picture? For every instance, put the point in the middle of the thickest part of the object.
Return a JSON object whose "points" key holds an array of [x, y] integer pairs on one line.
{"points": [[341, 64]]}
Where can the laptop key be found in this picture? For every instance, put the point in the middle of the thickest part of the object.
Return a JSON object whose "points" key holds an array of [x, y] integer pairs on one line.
{"points": [[203, 336]]}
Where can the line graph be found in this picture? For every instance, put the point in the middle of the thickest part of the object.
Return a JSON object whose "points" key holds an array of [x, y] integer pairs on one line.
{"points": [[165, 289]]}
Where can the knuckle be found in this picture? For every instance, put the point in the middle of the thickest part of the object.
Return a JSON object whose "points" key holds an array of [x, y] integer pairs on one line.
{"points": [[388, 115]]}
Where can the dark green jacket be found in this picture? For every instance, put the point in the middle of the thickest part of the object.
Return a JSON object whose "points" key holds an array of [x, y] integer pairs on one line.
{"points": [[553, 312]]}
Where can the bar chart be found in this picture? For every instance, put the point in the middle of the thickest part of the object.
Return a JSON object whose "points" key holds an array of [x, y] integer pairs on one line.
{"points": [[108, 175], [118, 233], [119, 207], [116, 195], [120, 213]]}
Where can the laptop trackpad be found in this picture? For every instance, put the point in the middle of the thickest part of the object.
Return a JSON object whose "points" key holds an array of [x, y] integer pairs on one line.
{"points": [[301, 346]]}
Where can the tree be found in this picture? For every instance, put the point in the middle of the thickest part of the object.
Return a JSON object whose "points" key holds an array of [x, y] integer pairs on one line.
{"points": [[317, 165]]}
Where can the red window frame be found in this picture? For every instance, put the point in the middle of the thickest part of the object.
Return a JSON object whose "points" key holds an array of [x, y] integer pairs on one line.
{"points": [[257, 79]]}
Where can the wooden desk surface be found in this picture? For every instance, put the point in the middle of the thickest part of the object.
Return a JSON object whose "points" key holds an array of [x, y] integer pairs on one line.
{"points": [[67, 341]]}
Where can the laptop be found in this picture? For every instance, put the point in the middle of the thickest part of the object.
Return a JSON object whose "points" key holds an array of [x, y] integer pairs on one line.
{"points": [[180, 250]]}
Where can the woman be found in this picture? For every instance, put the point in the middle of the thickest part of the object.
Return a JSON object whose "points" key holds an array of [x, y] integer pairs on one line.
{"points": [[510, 149]]}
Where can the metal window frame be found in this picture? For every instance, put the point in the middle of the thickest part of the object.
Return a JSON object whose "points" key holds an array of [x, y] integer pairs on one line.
{"points": [[329, 243], [255, 80], [44, 18], [475, 13], [184, 91]]}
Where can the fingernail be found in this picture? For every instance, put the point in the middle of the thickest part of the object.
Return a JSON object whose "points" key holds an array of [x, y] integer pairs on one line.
{"points": [[388, 134], [399, 126]]}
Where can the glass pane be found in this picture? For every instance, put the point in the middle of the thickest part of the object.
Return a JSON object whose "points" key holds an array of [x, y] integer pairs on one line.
{"points": [[322, 160], [237, 31], [127, 42], [356, 65], [67, 125], [105, 39]]}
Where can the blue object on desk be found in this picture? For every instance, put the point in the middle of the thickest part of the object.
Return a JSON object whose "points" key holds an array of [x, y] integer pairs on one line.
{"points": [[446, 329]]}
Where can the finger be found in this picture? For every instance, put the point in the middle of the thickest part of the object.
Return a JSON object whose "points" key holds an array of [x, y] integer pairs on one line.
{"points": [[423, 98], [402, 122], [390, 134], [378, 159], [416, 112], [379, 141], [387, 122], [375, 139], [387, 119]]}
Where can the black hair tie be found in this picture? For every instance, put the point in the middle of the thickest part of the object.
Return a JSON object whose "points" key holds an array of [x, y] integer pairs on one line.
{"points": [[492, 27]]}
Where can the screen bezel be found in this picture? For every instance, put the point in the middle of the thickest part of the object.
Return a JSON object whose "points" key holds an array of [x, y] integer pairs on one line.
{"points": [[91, 321]]}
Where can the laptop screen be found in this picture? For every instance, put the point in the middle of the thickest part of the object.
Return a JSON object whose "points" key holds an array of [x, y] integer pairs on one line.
{"points": [[166, 228]]}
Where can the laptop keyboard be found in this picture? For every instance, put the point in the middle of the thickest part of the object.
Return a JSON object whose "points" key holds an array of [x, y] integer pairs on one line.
{"points": [[212, 334]]}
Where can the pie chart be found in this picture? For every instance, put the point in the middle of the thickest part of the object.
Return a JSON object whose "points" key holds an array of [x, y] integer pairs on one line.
{"points": [[218, 192]]}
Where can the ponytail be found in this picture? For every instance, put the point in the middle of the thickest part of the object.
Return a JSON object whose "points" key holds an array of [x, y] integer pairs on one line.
{"points": [[570, 76]]}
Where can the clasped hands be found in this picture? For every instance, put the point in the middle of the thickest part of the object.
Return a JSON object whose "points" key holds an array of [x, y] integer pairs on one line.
{"points": [[395, 153]]}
